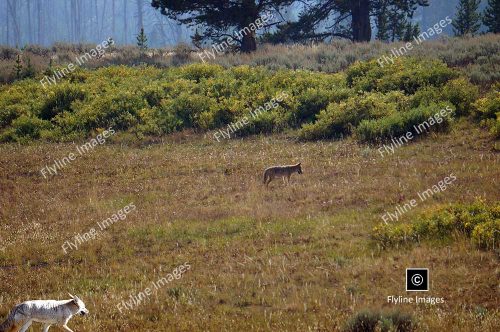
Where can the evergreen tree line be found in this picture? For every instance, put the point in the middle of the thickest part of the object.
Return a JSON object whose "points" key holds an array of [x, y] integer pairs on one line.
{"points": [[319, 20], [213, 21]]}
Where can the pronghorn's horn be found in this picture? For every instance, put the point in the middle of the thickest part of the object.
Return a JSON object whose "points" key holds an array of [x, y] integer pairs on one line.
{"points": [[71, 296]]}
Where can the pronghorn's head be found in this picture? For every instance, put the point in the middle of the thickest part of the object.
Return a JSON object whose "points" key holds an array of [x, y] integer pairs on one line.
{"points": [[81, 306], [299, 170]]}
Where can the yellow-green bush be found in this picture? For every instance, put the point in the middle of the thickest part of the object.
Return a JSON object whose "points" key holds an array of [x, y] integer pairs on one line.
{"points": [[59, 100], [406, 74], [340, 119], [145, 100], [401, 123], [487, 110], [24, 129], [479, 221], [375, 320], [462, 94]]}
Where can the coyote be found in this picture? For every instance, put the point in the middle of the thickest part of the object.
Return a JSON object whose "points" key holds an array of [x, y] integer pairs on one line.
{"points": [[48, 312], [283, 171]]}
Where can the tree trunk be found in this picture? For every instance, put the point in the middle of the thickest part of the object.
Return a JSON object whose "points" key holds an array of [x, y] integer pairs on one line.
{"points": [[96, 26], [13, 12], [103, 15], [248, 43], [7, 19], [125, 27], [67, 21], [79, 21], [361, 28], [113, 13], [140, 23], [72, 21], [30, 30]]}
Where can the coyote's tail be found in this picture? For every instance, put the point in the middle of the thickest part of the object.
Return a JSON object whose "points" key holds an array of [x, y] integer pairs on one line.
{"points": [[9, 323]]}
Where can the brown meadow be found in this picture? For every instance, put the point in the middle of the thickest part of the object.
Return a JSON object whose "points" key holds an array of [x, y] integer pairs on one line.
{"points": [[287, 258]]}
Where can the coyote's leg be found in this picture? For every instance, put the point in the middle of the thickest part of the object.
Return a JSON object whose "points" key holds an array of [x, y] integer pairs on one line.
{"points": [[46, 328], [269, 179], [26, 326], [288, 178]]}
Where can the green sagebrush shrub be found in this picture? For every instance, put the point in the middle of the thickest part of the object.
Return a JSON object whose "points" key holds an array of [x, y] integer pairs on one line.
{"points": [[145, 100], [427, 118], [24, 129], [406, 74], [374, 320], [479, 221], [462, 94], [487, 110], [340, 118], [59, 100], [312, 101]]}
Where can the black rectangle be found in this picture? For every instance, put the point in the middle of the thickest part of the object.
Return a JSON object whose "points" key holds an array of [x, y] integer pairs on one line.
{"points": [[417, 279]]}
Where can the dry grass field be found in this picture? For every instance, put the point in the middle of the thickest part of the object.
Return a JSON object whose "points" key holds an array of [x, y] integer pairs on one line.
{"points": [[287, 258]]}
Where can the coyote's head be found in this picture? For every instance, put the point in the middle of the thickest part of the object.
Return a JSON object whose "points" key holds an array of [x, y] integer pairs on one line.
{"points": [[81, 306], [299, 168]]}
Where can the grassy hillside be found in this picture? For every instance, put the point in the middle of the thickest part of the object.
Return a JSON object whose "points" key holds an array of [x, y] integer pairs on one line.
{"points": [[299, 257], [138, 171]]}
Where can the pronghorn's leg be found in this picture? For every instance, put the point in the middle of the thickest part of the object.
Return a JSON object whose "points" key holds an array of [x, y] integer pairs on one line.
{"points": [[26, 326], [288, 178], [283, 177], [66, 328], [46, 328]]}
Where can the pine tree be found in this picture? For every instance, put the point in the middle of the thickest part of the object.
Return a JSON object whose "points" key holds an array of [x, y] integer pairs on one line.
{"points": [[219, 20], [467, 20], [491, 16], [411, 30], [142, 41], [48, 71], [197, 40], [29, 71], [382, 26], [18, 67], [352, 20]]}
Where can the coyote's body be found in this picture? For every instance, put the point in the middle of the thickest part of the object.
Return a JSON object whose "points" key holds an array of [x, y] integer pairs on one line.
{"points": [[47, 312], [281, 171]]}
